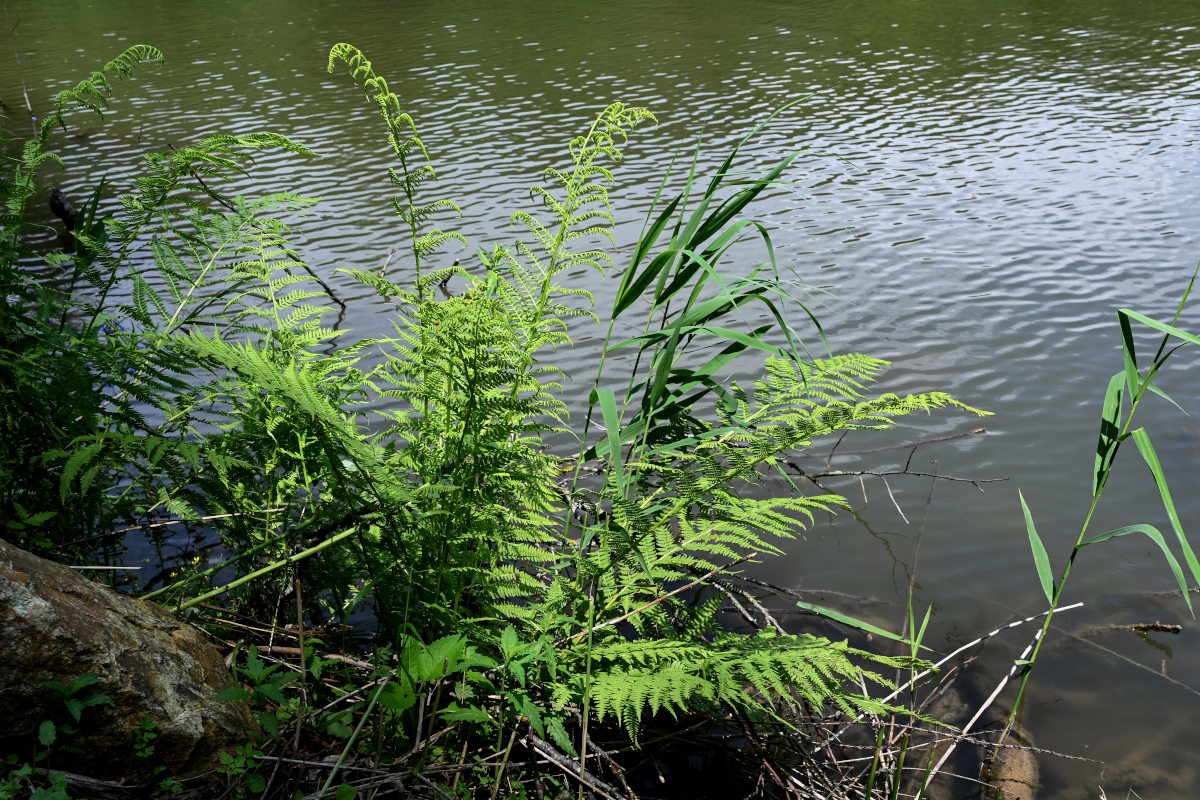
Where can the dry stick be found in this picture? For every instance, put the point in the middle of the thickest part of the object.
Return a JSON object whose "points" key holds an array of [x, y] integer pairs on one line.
{"points": [[748, 731], [795, 593], [300, 655], [571, 767], [462, 757], [433, 786], [190, 521], [912, 576], [1115, 654], [21, 72], [1136, 627], [729, 591], [1137, 664], [383, 269], [837, 473], [313, 764], [512, 737], [1012, 673], [737, 606], [607, 756], [946, 659], [912, 569], [354, 736]]}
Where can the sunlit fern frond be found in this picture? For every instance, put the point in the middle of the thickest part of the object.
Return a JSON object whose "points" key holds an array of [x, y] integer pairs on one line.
{"points": [[407, 146]]}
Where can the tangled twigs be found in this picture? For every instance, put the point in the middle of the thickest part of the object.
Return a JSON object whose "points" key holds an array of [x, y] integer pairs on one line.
{"points": [[571, 767]]}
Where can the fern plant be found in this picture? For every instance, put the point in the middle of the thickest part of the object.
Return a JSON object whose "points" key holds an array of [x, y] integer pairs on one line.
{"points": [[47, 389], [409, 149], [516, 586], [599, 571]]}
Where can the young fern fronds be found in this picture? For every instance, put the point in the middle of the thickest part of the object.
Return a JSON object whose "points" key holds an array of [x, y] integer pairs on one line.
{"points": [[408, 147], [91, 94], [164, 202], [584, 209]]}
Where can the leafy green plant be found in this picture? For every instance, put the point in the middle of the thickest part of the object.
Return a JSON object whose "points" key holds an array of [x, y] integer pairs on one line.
{"points": [[34, 778], [1126, 391], [526, 594], [266, 684]]}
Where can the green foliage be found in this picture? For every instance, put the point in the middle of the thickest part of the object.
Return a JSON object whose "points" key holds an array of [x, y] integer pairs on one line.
{"points": [[515, 589], [265, 694], [409, 149], [33, 778], [74, 699], [1124, 394]]}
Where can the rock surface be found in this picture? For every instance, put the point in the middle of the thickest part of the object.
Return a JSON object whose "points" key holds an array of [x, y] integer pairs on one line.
{"points": [[56, 625]]}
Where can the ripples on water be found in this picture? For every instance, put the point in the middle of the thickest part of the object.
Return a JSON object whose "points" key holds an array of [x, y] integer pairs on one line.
{"points": [[987, 184]]}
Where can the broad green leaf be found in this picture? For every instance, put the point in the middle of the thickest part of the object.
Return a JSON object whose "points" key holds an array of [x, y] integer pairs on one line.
{"points": [[74, 707], [232, 694], [1129, 354], [1040, 559], [447, 652], [1151, 458], [558, 734], [517, 670], [457, 713], [271, 691], [398, 695], [845, 619], [919, 635], [612, 429], [416, 660], [47, 733], [1157, 538], [1170, 330], [509, 642], [1153, 388], [634, 287], [345, 791], [528, 709], [82, 682]]}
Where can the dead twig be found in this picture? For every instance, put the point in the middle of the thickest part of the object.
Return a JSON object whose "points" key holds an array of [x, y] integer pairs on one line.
{"points": [[571, 767]]}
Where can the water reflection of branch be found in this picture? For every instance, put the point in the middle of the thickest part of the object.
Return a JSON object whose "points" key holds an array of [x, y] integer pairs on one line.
{"points": [[946, 438], [837, 473], [1081, 637]]}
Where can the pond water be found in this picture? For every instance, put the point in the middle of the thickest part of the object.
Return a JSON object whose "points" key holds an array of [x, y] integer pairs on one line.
{"points": [[986, 184]]}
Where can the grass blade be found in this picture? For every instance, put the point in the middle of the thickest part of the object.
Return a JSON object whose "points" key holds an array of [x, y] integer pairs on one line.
{"points": [[1170, 330], [1151, 458], [838, 616], [1041, 559], [1156, 537], [612, 429], [1110, 429]]}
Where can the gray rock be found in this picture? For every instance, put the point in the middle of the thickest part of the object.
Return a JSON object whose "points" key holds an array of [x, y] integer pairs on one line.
{"points": [[56, 625]]}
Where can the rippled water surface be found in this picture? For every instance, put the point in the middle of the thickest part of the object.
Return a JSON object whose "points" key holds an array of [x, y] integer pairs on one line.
{"points": [[985, 185]]}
